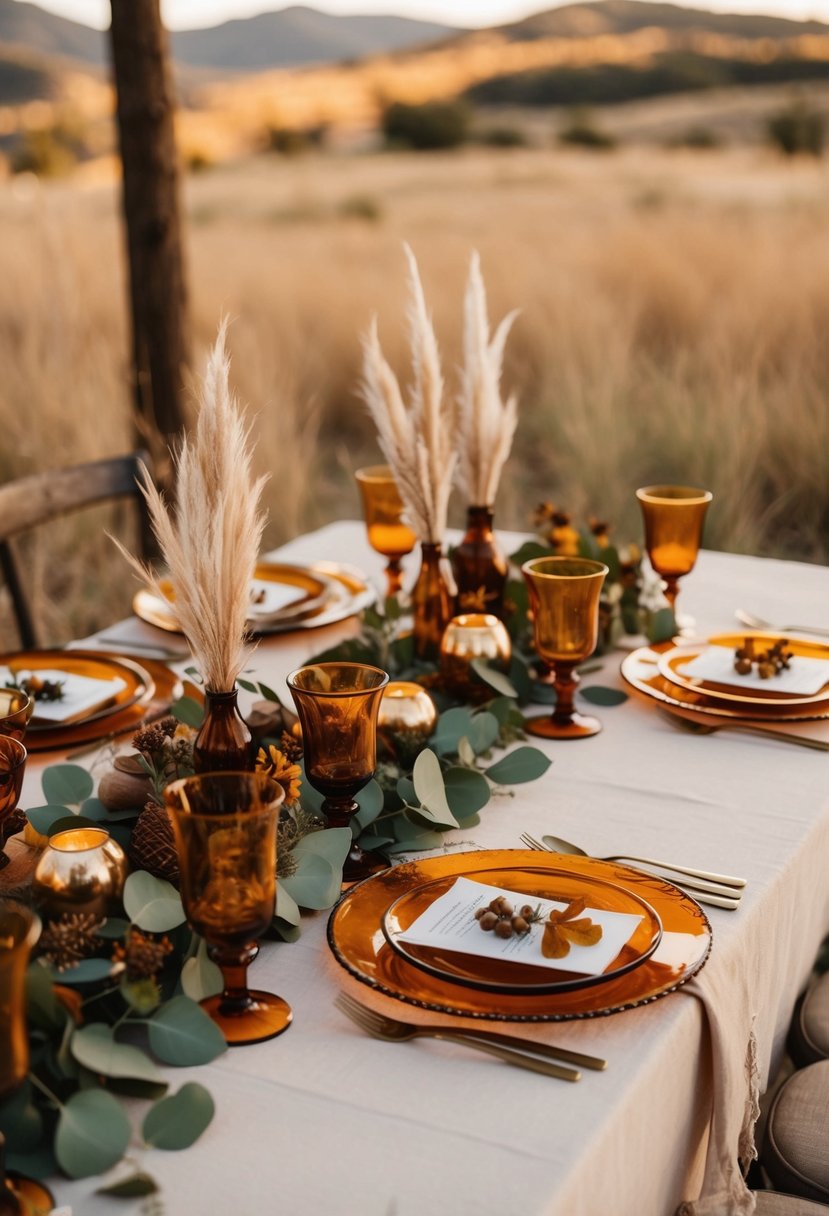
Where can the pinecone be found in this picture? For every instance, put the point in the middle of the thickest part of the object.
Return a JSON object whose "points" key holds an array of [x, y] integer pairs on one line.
{"points": [[70, 938], [142, 955], [152, 846], [290, 746]]}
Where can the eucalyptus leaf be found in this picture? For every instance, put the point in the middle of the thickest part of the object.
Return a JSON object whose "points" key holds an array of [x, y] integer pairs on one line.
{"points": [[92, 1134], [523, 764], [451, 728], [248, 685], [519, 674], [466, 753], [189, 711], [662, 626], [417, 841], [484, 732], [467, 792], [177, 1122], [285, 932], [42, 817], [39, 1164], [96, 1047], [406, 790], [87, 971], [21, 1123], [597, 694], [501, 707], [42, 1006], [310, 798], [151, 903], [494, 678], [66, 784], [331, 843], [529, 551], [287, 909], [181, 1033], [542, 693], [317, 883], [113, 928], [200, 977], [427, 778], [68, 822], [370, 802], [135, 1186], [93, 808]]}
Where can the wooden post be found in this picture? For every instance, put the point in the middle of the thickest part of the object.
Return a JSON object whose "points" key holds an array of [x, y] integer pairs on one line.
{"points": [[158, 291]]}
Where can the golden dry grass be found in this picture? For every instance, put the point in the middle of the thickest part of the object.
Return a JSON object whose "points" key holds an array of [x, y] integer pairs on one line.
{"points": [[674, 317]]}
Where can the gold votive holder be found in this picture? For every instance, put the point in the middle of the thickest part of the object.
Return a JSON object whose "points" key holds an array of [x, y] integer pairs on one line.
{"points": [[19, 930], [467, 638], [82, 871], [406, 720]]}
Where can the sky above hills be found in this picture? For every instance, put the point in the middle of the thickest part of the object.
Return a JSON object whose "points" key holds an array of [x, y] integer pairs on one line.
{"points": [[190, 14]]}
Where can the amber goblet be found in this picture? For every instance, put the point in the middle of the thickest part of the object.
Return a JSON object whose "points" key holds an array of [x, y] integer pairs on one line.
{"points": [[564, 597], [383, 512], [12, 766], [15, 710], [673, 517], [225, 829], [338, 704], [19, 930]]}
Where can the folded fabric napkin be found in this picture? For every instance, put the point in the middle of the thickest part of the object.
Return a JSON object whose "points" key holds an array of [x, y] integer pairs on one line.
{"points": [[268, 598], [805, 676], [80, 695]]}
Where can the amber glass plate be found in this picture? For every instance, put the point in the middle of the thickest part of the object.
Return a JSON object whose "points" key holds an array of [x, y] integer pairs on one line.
{"points": [[358, 944], [345, 592], [138, 683], [673, 663], [534, 882], [166, 685], [640, 669]]}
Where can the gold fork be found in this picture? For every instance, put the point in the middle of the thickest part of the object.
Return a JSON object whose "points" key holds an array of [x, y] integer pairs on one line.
{"points": [[512, 1051]]}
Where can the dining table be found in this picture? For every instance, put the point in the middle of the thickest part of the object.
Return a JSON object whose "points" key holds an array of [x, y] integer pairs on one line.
{"points": [[327, 1120]]}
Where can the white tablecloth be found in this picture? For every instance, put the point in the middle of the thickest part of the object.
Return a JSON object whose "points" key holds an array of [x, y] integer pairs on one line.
{"points": [[324, 1120]]}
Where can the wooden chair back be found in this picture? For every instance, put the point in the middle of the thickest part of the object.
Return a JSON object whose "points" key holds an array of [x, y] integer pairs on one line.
{"points": [[28, 502]]}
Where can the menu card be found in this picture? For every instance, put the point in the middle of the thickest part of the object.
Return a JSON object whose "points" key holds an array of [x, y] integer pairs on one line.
{"points": [[803, 678], [449, 923], [80, 695]]}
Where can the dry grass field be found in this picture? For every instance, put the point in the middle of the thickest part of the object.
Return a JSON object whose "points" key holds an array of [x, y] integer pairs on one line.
{"points": [[674, 320]]}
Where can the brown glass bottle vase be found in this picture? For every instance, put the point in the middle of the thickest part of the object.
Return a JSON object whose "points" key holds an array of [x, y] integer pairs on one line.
{"points": [[479, 566], [224, 742]]}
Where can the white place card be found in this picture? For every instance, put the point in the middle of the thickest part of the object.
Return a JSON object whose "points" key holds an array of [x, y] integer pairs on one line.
{"points": [[80, 694], [449, 923], [268, 598], [803, 678]]}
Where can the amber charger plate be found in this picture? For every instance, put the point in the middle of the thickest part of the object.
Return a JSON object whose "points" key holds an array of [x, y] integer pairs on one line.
{"points": [[360, 947], [640, 669], [138, 683], [345, 593], [533, 882], [673, 662], [167, 687]]}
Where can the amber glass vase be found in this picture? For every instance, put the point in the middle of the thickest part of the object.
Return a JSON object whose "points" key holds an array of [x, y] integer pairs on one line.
{"points": [[433, 602], [564, 596], [225, 828], [479, 566], [338, 705], [224, 742]]}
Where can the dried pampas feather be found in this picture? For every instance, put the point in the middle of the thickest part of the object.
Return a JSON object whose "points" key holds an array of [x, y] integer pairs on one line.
{"points": [[415, 439], [486, 424], [211, 543]]}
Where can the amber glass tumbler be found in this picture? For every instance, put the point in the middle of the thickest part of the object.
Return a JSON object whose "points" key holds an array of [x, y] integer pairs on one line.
{"points": [[383, 513], [673, 517], [338, 704], [19, 930], [15, 711], [225, 828], [564, 598]]}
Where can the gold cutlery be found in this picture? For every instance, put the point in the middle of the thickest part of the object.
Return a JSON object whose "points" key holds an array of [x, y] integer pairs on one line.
{"points": [[690, 720], [521, 1052], [724, 893], [756, 622]]}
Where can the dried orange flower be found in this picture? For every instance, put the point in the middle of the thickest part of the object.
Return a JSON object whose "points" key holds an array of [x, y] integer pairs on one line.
{"points": [[562, 928], [277, 765]]}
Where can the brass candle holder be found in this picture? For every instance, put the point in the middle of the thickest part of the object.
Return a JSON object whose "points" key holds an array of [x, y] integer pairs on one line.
{"points": [[467, 638], [82, 871], [406, 720]]}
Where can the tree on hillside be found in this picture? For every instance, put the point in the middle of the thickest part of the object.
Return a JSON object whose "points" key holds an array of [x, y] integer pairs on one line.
{"points": [[158, 289]]}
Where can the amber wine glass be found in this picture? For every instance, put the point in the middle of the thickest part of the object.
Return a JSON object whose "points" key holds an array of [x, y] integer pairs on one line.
{"points": [[564, 597], [338, 704], [12, 767], [383, 512], [225, 829], [15, 711], [673, 517]]}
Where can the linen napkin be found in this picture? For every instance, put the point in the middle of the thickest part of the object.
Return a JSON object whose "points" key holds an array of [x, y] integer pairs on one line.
{"points": [[80, 695], [804, 678]]}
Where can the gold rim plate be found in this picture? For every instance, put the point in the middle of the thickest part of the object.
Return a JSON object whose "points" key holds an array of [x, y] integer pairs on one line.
{"points": [[167, 687], [672, 663], [343, 592], [640, 669], [360, 947], [139, 686], [535, 883]]}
